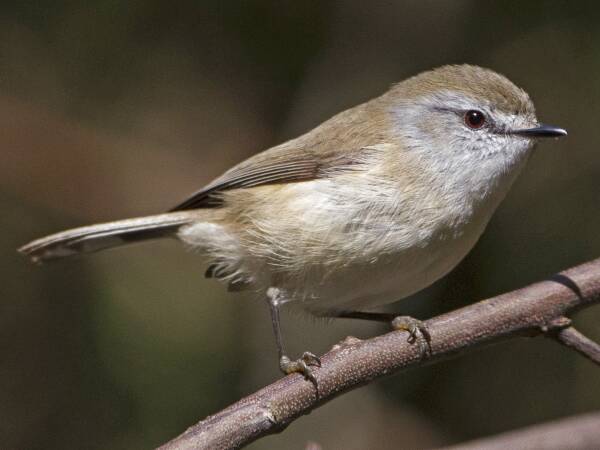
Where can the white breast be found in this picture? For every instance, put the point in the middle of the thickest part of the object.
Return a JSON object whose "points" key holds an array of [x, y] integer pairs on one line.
{"points": [[359, 243], [354, 257]]}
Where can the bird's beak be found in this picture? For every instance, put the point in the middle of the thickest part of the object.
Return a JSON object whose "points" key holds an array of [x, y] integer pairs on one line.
{"points": [[542, 130]]}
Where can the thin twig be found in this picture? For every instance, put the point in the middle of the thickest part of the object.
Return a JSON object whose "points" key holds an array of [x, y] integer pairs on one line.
{"points": [[534, 310], [578, 342], [574, 433]]}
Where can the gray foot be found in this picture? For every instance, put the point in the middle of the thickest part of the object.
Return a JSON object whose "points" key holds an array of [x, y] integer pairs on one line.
{"points": [[417, 332], [301, 365]]}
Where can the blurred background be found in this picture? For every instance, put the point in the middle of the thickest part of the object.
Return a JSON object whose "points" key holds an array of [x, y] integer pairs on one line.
{"points": [[117, 109]]}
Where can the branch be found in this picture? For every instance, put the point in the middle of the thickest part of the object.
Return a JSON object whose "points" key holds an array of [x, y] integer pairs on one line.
{"points": [[572, 338], [575, 433], [537, 309]]}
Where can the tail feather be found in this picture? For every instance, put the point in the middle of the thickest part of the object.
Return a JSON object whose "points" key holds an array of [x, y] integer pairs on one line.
{"points": [[99, 237]]}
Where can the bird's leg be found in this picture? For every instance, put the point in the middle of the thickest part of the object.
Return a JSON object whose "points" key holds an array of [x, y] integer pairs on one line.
{"points": [[287, 366], [417, 331]]}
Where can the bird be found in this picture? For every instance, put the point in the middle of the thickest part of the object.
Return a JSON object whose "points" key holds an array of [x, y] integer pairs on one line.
{"points": [[368, 208]]}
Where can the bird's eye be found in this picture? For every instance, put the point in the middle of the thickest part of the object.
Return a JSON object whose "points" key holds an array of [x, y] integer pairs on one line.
{"points": [[474, 119]]}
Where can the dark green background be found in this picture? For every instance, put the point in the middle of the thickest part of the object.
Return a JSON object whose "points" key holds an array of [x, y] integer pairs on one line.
{"points": [[114, 109]]}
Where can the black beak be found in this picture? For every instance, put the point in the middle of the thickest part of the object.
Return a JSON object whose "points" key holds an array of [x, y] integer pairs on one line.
{"points": [[540, 131]]}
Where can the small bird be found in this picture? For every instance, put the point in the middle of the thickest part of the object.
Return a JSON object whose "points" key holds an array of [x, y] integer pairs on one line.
{"points": [[371, 206]]}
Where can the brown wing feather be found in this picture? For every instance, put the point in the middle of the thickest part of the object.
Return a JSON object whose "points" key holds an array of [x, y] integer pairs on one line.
{"points": [[274, 166]]}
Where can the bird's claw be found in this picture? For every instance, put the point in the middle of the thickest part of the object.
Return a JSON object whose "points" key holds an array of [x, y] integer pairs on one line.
{"points": [[311, 359], [417, 332], [301, 365]]}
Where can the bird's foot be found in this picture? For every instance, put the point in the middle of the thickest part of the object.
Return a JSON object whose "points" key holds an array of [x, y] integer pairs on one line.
{"points": [[417, 332], [301, 365]]}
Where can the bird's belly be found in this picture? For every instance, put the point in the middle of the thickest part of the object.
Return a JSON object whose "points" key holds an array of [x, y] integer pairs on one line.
{"points": [[364, 284]]}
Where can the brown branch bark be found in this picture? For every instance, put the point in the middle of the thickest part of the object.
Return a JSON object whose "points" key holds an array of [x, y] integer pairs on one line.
{"points": [[540, 308], [574, 339], [574, 433]]}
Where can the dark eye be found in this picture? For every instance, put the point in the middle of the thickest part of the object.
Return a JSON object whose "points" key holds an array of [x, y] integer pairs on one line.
{"points": [[474, 119]]}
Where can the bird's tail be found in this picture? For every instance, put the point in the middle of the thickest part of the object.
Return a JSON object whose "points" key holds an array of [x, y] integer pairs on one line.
{"points": [[105, 235]]}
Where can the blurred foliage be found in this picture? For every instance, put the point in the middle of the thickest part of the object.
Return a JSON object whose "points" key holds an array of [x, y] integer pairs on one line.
{"points": [[114, 109]]}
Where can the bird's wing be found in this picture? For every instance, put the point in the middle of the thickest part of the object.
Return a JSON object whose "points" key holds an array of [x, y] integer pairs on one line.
{"points": [[278, 165]]}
